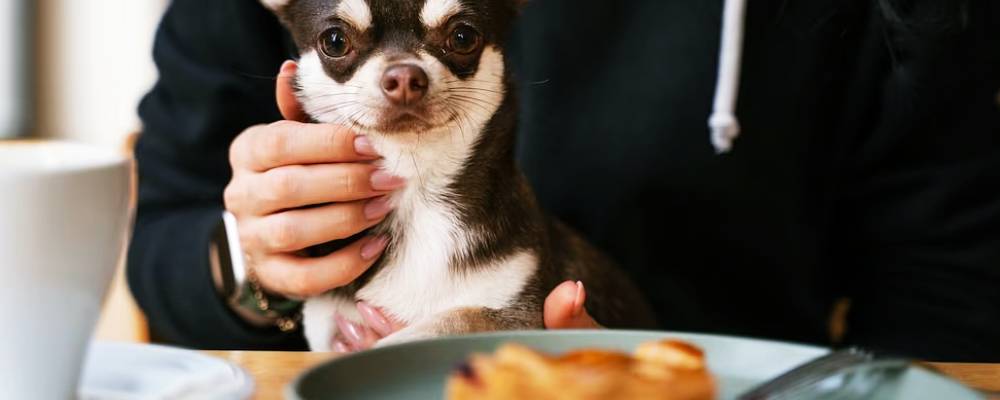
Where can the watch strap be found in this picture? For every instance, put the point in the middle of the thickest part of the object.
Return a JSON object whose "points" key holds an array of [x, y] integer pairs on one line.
{"points": [[283, 312], [238, 286]]}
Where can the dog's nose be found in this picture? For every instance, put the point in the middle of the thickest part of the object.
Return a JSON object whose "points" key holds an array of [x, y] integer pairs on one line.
{"points": [[404, 84]]}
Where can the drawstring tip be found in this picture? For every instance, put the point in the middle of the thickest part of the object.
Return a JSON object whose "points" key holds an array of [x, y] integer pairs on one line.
{"points": [[725, 128], [721, 143]]}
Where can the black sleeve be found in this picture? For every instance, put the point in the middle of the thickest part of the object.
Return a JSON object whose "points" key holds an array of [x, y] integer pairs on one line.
{"points": [[923, 204], [216, 60]]}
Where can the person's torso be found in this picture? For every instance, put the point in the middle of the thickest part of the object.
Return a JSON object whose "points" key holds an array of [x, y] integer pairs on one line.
{"points": [[615, 99]]}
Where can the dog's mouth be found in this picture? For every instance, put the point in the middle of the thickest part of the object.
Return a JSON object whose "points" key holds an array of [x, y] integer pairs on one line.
{"points": [[399, 122], [409, 120]]}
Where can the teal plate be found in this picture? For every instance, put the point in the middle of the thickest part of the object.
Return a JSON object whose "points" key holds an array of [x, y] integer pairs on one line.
{"points": [[418, 370]]}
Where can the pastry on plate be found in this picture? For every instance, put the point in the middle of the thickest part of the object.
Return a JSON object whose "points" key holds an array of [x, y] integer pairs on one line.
{"points": [[663, 370]]}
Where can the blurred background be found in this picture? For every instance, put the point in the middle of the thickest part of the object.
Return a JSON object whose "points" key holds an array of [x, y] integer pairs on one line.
{"points": [[76, 70]]}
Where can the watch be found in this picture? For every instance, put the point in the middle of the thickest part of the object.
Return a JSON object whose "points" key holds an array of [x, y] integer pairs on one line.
{"points": [[238, 287]]}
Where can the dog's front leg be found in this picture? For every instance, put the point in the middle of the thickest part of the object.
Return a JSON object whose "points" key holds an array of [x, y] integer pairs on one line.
{"points": [[467, 321]]}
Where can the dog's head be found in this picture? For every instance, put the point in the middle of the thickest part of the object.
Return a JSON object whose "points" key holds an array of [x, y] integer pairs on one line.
{"points": [[400, 66]]}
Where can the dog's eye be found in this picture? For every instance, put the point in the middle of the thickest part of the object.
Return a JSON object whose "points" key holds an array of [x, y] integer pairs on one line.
{"points": [[464, 40], [335, 43]]}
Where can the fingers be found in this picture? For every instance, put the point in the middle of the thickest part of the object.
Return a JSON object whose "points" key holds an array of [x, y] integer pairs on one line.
{"points": [[300, 277], [357, 337], [564, 308], [340, 346], [297, 186], [283, 143], [354, 337], [302, 228], [377, 321], [284, 92]]}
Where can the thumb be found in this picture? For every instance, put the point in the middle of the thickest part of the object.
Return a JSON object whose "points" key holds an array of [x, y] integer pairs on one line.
{"points": [[564, 308], [284, 91]]}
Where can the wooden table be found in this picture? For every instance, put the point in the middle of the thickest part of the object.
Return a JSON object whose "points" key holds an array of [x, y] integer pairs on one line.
{"points": [[273, 371]]}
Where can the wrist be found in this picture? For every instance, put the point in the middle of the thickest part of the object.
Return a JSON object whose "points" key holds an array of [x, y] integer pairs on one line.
{"points": [[267, 308], [238, 287]]}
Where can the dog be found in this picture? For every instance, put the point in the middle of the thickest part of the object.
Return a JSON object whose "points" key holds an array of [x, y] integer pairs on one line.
{"points": [[470, 248]]}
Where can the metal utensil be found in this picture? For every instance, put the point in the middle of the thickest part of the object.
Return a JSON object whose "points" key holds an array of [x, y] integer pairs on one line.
{"points": [[845, 374]]}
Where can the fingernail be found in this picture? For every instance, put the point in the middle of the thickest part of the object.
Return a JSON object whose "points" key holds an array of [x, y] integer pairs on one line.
{"points": [[341, 347], [383, 181], [350, 331], [287, 68], [579, 299], [375, 319], [374, 247], [363, 146], [378, 208]]}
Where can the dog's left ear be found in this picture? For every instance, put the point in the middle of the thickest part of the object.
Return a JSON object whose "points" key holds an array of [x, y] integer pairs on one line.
{"points": [[276, 5]]}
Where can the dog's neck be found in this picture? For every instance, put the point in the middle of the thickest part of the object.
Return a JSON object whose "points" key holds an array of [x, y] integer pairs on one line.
{"points": [[454, 178], [429, 161]]}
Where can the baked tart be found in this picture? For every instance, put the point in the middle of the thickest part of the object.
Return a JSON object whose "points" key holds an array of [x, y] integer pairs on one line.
{"points": [[663, 370]]}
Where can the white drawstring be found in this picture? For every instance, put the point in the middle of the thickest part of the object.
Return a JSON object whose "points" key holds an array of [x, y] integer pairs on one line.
{"points": [[723, 123]]}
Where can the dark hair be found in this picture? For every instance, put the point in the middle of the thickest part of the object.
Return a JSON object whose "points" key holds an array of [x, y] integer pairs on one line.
{"points": [[933, 16]]}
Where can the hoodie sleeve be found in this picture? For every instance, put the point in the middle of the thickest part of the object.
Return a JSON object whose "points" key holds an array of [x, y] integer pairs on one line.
{"points": [[216, 61], [922, 205]]}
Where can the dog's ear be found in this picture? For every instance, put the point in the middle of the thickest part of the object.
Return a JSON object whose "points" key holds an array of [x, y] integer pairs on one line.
{"points": [[276, 5]]}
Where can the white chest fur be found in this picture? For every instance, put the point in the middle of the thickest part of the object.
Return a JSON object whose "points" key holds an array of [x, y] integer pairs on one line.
{"points": [[418, 280]]}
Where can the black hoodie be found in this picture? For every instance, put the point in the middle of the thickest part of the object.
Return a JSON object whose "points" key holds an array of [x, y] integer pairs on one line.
{"points": [[868, 166]]}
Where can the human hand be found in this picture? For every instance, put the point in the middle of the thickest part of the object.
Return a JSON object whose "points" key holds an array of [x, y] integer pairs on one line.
{"points": [[297, 185], [563, 310]]}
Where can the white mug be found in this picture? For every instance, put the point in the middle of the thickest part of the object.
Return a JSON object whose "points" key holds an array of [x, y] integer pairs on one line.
{"points": [[64, 220]]}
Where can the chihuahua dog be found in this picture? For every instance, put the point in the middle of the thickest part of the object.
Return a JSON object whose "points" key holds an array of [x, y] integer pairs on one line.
{"points": [[470, 249]]}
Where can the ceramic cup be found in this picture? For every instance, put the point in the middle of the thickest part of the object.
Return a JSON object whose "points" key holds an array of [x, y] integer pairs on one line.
{"points": [[64, 221]]}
